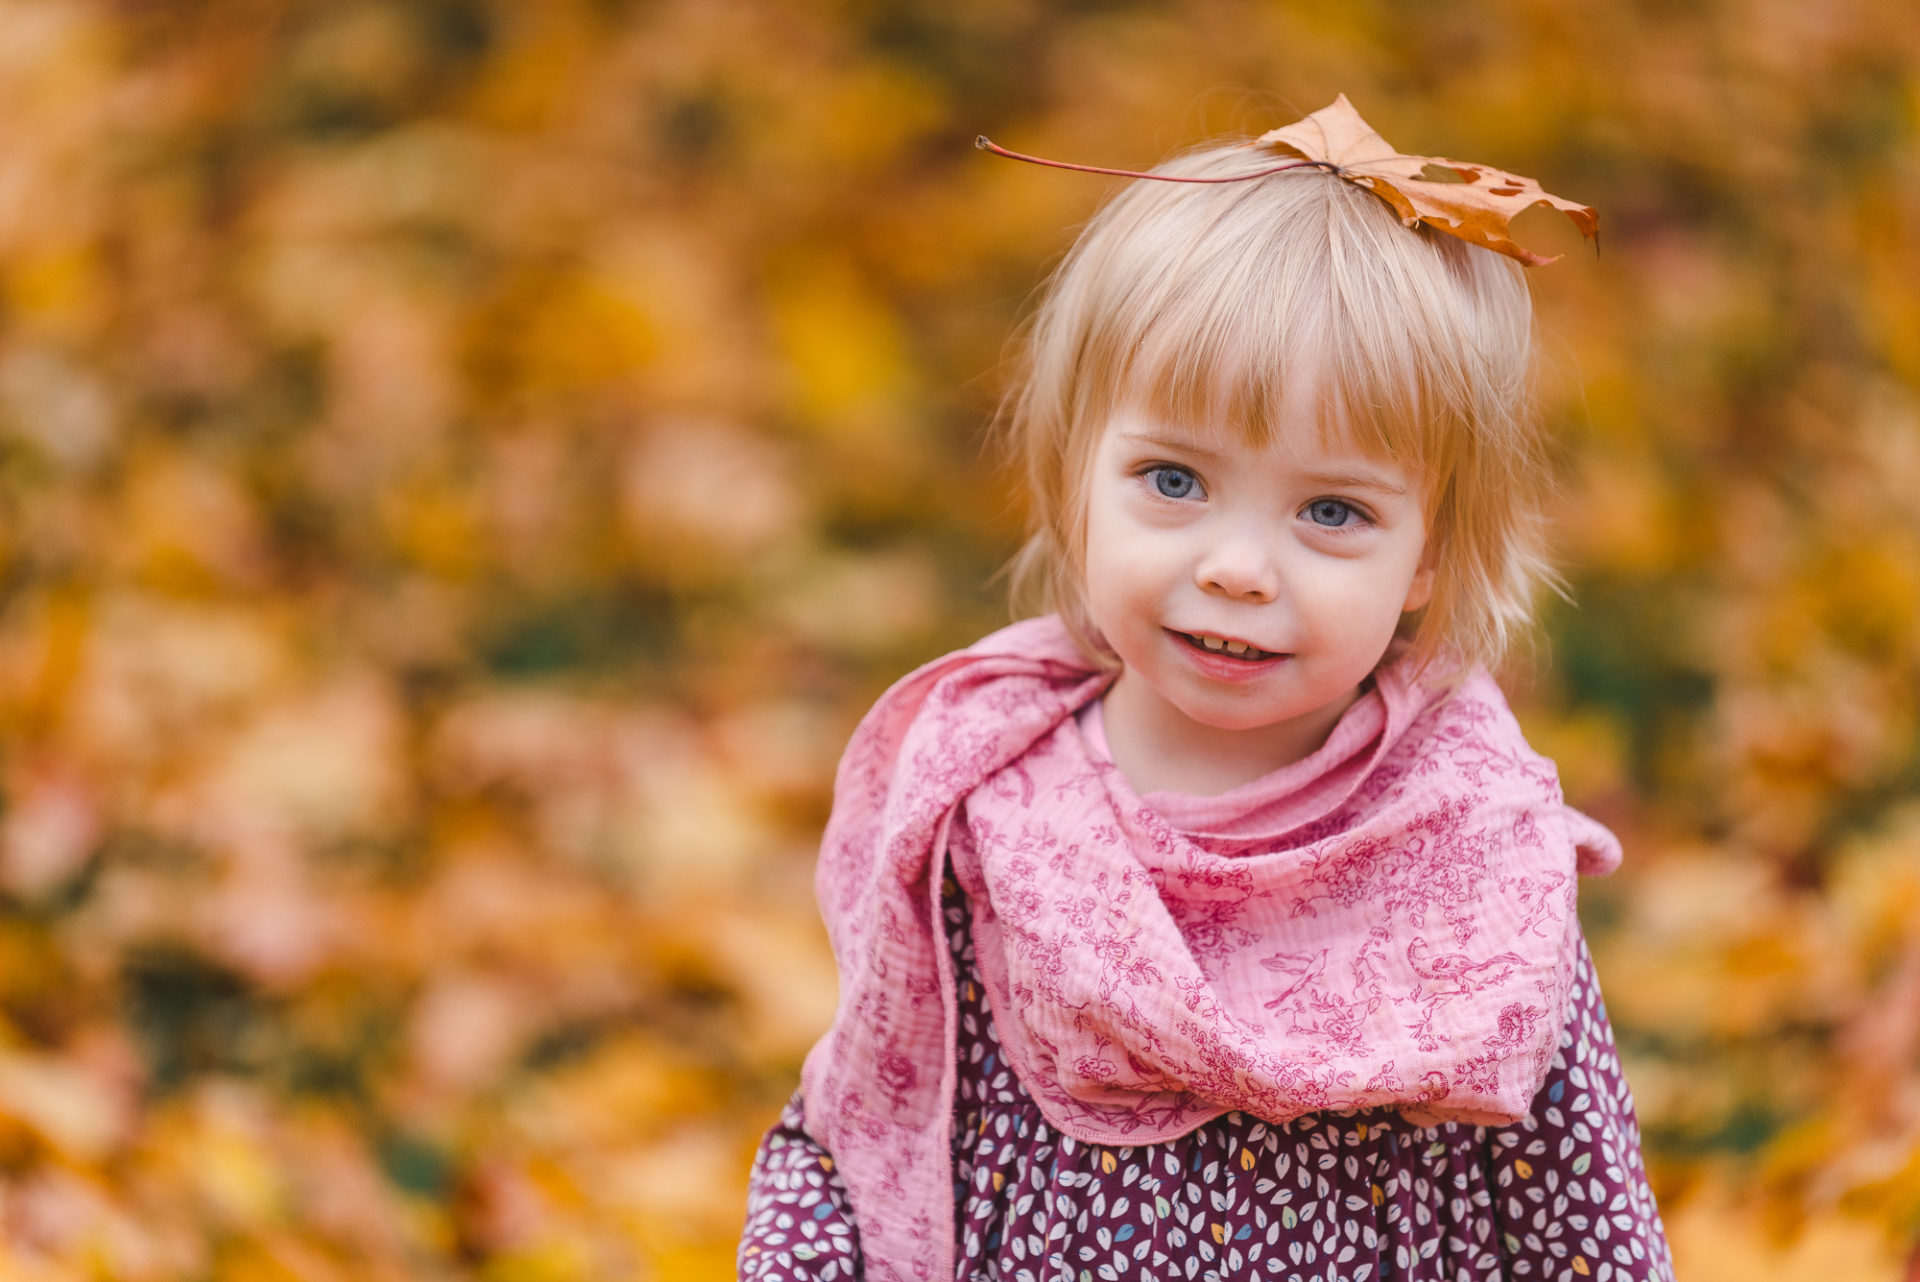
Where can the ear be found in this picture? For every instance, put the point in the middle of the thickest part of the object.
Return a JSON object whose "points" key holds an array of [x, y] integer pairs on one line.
{"points": [[1420, 591]]}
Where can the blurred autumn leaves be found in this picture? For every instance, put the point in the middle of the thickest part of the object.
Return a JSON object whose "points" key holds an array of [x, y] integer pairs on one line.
{"points": [[465, 467]]}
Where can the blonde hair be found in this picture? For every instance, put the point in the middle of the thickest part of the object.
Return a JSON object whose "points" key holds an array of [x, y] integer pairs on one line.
{"points": [[1205, 304]]}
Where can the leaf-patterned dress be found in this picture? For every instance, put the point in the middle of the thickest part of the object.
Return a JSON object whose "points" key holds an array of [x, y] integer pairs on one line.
{"points": [[1357, 1196]]}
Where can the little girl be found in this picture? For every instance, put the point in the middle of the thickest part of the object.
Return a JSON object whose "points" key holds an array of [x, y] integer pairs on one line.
{"points": [[1219, 923]]}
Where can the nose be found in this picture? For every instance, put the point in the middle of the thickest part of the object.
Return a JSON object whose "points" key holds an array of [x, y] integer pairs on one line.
{"points": [[1239, 566]]}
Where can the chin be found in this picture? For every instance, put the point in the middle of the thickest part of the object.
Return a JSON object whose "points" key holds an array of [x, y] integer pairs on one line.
{"points": [[1237, 718]]}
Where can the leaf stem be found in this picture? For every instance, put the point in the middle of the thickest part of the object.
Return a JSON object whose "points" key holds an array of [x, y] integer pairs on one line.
{"points": [[986, 144]]}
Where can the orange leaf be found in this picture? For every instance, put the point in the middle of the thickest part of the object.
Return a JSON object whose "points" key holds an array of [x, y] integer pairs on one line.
{"points": [[1478, 208]]}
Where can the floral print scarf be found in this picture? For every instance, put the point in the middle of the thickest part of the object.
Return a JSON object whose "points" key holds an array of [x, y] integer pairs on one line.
{"points": [[1398, 930]]}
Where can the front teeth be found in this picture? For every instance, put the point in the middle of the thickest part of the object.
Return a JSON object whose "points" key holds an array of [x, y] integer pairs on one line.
{"points": [[1219, 645]]}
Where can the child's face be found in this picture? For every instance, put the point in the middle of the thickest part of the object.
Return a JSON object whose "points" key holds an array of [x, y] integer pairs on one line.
{"points": [[1298, 555]]}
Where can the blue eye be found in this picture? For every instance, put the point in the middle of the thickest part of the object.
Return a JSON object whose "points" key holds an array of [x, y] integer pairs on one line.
{"points": [[1174, 482], [1332, 513]]}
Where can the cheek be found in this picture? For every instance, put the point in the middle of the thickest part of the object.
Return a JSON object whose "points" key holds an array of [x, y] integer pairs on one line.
{"points": [[1120, 580], [1104, 551], [1110, 594], [1357, 603]]}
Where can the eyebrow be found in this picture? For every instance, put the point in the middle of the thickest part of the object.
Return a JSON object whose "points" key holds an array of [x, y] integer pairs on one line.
{"points": [[1181, 443], [1331, 479], [1355, 481]]}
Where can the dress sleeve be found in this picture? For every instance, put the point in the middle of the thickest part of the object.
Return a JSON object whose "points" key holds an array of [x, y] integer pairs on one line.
{"points": [[799, 1222], [1569, 1185]]}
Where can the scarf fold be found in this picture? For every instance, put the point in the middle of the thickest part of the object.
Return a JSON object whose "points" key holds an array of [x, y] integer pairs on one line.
{"points": [[1393, 927]]}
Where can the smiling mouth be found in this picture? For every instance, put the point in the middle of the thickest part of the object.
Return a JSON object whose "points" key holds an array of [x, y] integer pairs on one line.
{"points": [[1225, 648]]}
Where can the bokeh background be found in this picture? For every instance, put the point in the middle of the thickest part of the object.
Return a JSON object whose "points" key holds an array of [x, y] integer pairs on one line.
{"points": [[465, 465]]}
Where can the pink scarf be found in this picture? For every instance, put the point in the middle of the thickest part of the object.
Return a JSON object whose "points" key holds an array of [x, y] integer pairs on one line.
{"points": [[1396, 929]]}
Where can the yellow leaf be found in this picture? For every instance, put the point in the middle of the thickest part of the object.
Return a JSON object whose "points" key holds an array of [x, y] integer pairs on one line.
{"points": [[1580, 1265], [1220, 1234], [679, 1262], [1106, 1161], [59, 284], [583, 329], [841, 341], [1523, 1170], [1246, 1159]]}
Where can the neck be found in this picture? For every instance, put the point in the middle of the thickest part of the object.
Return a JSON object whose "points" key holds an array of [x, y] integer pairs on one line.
{"points": [[1157, 748]]}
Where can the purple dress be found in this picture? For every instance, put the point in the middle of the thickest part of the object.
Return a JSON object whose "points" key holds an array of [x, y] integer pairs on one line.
{"points": [[1357, 1196]]}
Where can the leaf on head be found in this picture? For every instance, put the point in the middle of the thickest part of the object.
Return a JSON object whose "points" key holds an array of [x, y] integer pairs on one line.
{"points": [[1476, 203]]}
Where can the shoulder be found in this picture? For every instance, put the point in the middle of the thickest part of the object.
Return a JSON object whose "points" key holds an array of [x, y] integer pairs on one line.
{"points": [[1044, 639], [1461, 731], [1039, 648], [1439, 707], [1454, 735], [1029, 672]]}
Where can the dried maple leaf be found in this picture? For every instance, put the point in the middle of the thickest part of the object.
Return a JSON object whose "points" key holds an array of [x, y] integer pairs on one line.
{"points": [[1477, 205], [1479, 208]]}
